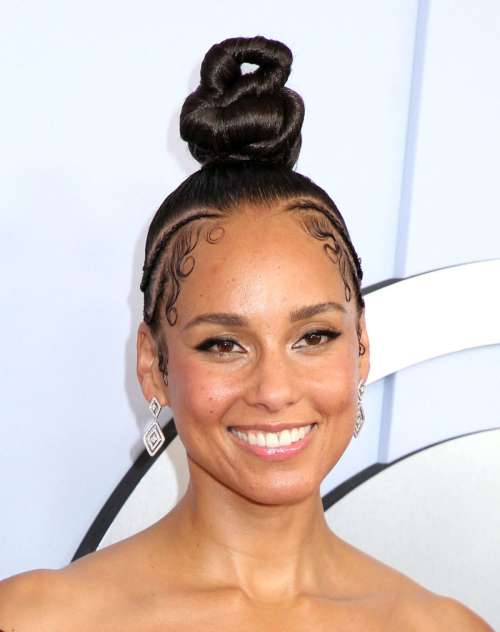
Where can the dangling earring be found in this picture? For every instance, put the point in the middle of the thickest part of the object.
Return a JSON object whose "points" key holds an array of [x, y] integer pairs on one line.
{"points": [[360, 419], [154, 437]]}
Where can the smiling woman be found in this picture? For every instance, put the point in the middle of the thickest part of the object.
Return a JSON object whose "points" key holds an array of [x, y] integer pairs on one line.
{"points": [[254, 335], [264, 350]]}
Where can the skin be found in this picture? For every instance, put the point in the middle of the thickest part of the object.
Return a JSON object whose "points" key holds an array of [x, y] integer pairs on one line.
{"points": [[248, 547]]}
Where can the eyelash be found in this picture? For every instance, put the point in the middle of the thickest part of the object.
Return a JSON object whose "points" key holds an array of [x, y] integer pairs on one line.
{"points": [[207, 344], [330, 334]]}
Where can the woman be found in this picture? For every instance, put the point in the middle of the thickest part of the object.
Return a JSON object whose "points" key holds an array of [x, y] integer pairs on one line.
{"points": [[254, 335]]}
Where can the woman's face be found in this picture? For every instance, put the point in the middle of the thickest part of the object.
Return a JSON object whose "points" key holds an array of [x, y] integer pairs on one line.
{"points": [[266, 345]]}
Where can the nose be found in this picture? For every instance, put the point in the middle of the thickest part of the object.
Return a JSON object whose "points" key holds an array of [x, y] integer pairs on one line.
{"points": [[273, 384]]}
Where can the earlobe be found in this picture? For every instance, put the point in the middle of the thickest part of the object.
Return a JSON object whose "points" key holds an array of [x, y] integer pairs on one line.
{"points": [[148, 373]]}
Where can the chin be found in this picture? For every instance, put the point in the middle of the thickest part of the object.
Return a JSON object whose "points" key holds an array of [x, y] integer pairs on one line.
{"points": [[282, 490]]}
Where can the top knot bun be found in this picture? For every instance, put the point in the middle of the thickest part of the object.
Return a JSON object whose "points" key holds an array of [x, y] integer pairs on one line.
{"points": [[233, 116]]}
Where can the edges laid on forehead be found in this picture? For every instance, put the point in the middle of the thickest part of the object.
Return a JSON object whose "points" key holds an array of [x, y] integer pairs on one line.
{"points": [[169, 264], [215, 234], [333, 217], [323, 225], [154, 250], [216, 193]]}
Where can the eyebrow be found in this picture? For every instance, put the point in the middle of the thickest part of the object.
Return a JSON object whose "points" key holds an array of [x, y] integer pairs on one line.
{"points": [[308, 311], [235, 320], [228, 320]]}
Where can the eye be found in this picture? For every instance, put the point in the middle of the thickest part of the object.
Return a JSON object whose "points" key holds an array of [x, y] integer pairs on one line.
{"points": [[312, 338], [222, 346], [317, 338], [225, 346]]}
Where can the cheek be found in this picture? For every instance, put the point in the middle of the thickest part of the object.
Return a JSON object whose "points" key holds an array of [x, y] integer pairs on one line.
{"points": [[333, 384], [198, 393], [334, 396]]}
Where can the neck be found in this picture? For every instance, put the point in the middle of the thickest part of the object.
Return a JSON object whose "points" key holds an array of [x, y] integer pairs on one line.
{"points": [[269, 551]]}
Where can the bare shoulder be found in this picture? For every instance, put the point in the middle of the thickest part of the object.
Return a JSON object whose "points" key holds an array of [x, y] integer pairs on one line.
{"points": [[409, 605], [414, 607], [78, 596], [425, 610], [436, 613], [31, 599], [48, 599]]}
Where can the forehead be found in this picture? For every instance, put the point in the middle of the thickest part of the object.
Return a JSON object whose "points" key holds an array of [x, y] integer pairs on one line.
{"points": [[263, 262]]}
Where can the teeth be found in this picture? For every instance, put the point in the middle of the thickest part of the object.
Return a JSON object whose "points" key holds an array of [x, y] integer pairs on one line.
{"points": [[285, 438], [272, 439]]}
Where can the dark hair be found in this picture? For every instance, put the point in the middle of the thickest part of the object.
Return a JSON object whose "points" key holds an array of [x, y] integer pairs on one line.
{"points": [[245, 130]]}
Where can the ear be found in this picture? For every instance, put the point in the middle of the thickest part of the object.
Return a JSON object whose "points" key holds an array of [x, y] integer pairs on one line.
{"points": [[364, 360], [148, 372]]}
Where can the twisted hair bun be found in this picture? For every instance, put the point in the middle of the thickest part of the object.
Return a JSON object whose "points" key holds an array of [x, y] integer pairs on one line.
{"points": [[232, 117]]}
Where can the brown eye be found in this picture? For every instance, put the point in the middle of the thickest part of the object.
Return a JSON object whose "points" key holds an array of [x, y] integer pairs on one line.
{"points": [[312, 339], [225, 346], [221, 346]]}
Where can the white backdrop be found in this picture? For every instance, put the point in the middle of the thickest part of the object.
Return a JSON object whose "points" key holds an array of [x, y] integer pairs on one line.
{"points": [[402, 129]]}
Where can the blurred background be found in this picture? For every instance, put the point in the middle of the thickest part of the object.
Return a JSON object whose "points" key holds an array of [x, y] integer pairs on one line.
{"points": [[402, 129]]}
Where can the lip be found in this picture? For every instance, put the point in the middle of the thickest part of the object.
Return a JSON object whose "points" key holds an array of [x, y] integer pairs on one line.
{"points": [[283, 453]]}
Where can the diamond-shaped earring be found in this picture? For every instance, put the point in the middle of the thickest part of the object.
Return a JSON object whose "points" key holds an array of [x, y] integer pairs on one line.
{"points": [[360, 418], [154, 437]]}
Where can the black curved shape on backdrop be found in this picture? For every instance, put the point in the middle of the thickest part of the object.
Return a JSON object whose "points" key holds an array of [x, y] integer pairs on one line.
{"points": [[132, 478], [121, 494], [347, 486]]}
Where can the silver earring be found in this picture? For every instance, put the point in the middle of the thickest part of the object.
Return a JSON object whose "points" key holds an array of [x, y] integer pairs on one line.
{"points": [[360, 419], [154, 437]]}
